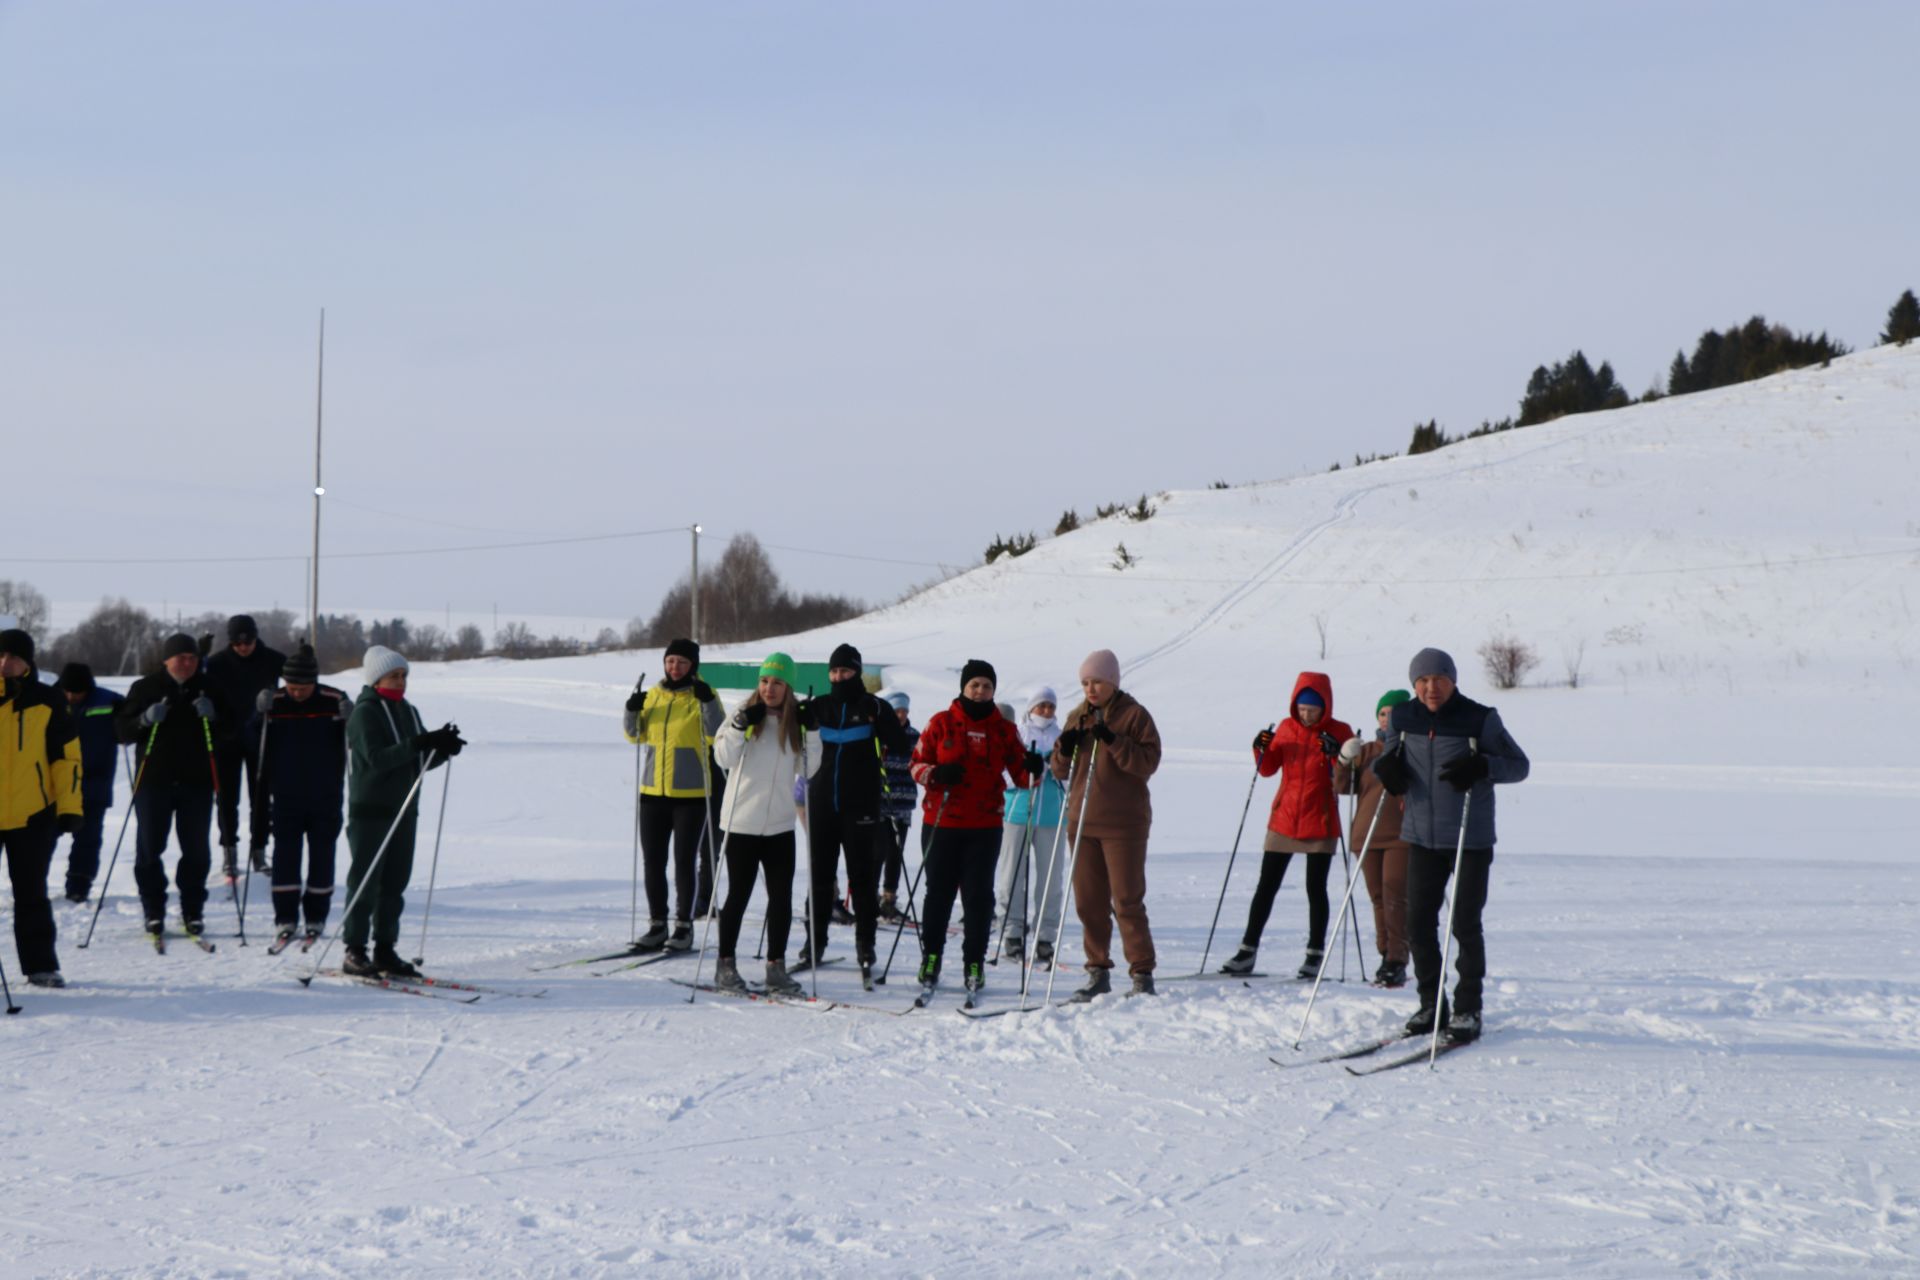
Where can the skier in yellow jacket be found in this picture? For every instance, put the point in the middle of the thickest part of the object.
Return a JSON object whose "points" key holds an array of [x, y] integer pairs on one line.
{"points": [[673, 724], [39, 799]]}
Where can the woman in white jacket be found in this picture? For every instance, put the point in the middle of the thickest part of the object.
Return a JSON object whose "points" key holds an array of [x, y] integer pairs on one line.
{"points": [[763, 748]]}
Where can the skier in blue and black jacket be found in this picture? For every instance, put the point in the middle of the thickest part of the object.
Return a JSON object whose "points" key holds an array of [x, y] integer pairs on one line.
{"points": [[91, 708]]}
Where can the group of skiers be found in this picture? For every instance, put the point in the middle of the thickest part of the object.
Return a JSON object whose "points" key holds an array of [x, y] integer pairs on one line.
{"points": [[201, 729], [1008, 804]]}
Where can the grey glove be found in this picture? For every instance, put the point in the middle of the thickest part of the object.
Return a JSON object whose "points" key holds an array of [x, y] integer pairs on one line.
{"points": [[264, 702], [343, 709], [203, 707], [154, 714]]}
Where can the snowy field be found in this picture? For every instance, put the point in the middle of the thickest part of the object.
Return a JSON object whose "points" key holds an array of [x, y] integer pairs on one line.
{"points": [[1703, 1048]]}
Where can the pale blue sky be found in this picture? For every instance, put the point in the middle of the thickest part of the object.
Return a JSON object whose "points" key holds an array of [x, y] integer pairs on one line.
{"points": [[872, 278]]}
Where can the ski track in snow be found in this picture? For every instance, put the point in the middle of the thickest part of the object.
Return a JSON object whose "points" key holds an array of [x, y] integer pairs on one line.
{"points": [[1703, 1014]]}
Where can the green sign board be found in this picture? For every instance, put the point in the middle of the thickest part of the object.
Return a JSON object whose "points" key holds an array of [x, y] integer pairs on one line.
{"points": [[808, 677]]}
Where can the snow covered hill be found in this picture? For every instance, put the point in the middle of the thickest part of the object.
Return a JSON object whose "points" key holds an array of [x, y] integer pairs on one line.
{"points": [[1703, 1020]]}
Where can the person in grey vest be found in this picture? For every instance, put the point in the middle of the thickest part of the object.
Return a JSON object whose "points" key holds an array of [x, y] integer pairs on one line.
{"points": [[1444, 754]]}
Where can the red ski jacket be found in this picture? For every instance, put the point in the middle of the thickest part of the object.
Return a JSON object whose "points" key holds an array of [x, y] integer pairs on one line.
{"points": [[1304, 807], [985, 748]]}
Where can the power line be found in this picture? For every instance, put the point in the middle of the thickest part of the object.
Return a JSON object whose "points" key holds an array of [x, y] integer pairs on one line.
{"points": [[349, 555]]}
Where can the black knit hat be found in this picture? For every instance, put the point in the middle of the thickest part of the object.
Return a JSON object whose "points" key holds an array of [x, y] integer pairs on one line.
{"points": [[17, 644], [176, 644], [241, 627], [845, 656], [77, 677], [302, 667], [977, 667], [684, 648]]}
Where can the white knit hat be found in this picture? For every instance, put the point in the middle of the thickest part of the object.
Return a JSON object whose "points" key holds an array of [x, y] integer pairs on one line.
{"points": [[380, 661], [1044, 693]]}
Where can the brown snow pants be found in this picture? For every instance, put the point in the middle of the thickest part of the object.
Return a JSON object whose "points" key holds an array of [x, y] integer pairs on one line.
{"points": [[1109, 881], [1386, 873]]}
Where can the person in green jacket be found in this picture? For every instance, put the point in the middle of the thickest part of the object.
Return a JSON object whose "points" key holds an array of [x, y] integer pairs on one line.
{"points": [[390, 750]]}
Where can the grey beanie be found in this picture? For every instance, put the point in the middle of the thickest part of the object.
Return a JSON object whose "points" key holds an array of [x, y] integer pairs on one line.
{"points": [[380, 661], [1432, 662], [899, 701]]}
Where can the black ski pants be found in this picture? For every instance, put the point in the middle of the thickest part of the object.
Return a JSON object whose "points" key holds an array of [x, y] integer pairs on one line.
{"points": [[83, 855], [1428, 871], [233, 763], [865, 842], [184, 811], [1273, 870], [962, 860], [896, 859], [29, 852], [316, 832], [681, 824], [747, 856]]}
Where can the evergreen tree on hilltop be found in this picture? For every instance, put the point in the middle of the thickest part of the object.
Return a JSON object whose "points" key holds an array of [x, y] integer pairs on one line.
{"points": [[1755, 349], [1572, 386], [1903, 320]]}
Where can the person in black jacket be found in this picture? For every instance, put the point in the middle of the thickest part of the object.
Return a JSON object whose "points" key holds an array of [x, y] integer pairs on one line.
{"points": [[857, 731], [92, 709], [300, 739], [170, 715], [239, 674]]}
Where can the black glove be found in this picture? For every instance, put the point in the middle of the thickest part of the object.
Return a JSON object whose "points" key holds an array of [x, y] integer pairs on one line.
{"points": [[1035, 762], [70, 824], [1329, 745], [1067, 743], [1391, 769], [637, 698], [444, 741], [702, 690], [747, 717], [946, 775], [1262, 740], [808, 718], [1101, 733], [1464, 771]]}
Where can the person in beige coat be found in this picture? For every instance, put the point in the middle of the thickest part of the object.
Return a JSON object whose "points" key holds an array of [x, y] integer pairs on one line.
{"points": [[1105, 755], [1385, 864]]}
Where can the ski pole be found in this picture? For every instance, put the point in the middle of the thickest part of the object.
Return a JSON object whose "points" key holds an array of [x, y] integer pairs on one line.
{"points": [[1453, 901], [259, 777], [138, 774], [433, 872], [1073, 858], [1245, 809], [11, 1006], [633, 909], [912, 886], [1366, 846], [1045, 893], [373, 869], [1346, 867]]}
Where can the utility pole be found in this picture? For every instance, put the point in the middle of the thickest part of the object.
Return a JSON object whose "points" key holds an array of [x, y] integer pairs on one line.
{"points": [[319, 489], [694, 596]]}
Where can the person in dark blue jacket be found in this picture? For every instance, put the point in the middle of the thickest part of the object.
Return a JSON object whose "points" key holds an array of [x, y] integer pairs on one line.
{"points": [[902, 798], [92, 710], [299, 736], [1445, 753]]}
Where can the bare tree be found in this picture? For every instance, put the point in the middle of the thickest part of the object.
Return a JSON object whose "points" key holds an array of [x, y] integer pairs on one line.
{"points": [[1508, 661], [1573, 659], [1320, 628], [26, 604]]}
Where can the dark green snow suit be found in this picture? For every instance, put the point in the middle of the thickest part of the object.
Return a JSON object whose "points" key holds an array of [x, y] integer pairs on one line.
{"points": [[383, 764]]}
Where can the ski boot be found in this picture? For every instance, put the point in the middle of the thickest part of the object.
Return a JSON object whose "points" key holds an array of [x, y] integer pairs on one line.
{"points": [[779, 983], [389, 963], [653, 939], [1310, 967], [804, 961], [282, 938], [257, 858], [355, 964], [192, 928], [976, 982], [1392, 974], [889, 909], [1015, 947], [230, 862], [1099, 983], [929, 973], [866, 970], [726, 977], [1462, 1028], [840, 913], [681, 939], [311, 936], [1142, 985], [1241, 961], [1421, 1023], [1043, 954], [51, 978]]}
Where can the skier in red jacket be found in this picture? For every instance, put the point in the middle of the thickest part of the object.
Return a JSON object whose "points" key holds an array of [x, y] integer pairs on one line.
{"points": [[1305, 817], [962, 759]]}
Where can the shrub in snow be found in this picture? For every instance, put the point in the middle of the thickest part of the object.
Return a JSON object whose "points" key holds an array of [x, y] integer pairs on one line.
{"points": [[1508, 661]]}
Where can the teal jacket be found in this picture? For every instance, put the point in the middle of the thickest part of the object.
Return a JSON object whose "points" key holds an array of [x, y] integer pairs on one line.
{"points": [[382, 760]]}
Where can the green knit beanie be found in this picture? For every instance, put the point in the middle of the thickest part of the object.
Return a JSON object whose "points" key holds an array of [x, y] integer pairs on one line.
{"points": [[780, 667], [1391, 698]]}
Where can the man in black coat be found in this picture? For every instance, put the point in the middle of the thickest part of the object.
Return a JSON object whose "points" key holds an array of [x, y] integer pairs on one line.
{"points": [[299, 738], [171, 715], [238, 674]]}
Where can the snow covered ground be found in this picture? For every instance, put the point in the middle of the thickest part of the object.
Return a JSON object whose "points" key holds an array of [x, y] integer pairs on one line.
{"points": [[1704, 1020]]}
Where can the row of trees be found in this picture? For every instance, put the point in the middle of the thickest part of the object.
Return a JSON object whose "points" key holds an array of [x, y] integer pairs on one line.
{"points": [[1756, 349]]}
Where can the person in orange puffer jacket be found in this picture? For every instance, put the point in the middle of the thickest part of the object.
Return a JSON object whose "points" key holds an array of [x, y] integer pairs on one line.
{"points": [[1305, 817]]}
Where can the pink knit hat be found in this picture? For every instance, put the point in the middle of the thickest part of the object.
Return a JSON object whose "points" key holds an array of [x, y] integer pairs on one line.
{"points": [[1101, 665]]}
